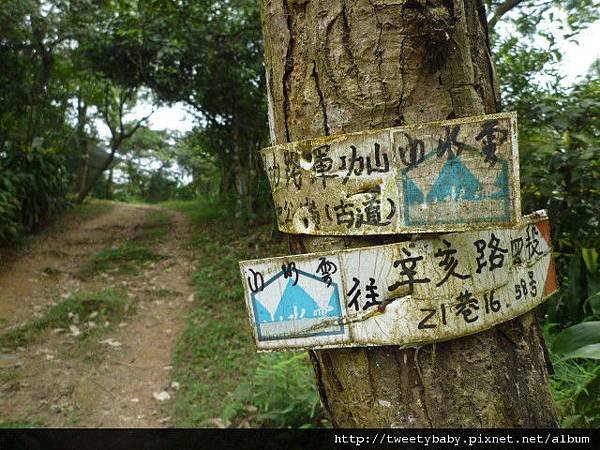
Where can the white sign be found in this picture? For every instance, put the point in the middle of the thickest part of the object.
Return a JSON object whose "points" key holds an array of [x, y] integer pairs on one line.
{"points": [[404, 293], [453, 175]]}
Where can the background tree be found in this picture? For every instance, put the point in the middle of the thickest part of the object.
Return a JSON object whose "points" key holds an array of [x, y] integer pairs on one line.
{"points": [[208, 55], [34, 101], [558, 136], [115, 103]]}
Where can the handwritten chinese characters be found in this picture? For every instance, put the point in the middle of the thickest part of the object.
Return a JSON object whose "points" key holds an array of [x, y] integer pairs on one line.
{"points": [[405, 293], [443, 176]]}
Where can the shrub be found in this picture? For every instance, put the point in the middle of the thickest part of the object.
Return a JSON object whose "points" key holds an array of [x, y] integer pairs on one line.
{"points": [[33, 187]]}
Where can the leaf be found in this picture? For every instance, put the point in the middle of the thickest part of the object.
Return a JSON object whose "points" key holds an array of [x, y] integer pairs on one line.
{"points": [[594, 302], [586, 400], [591, 351], [580, 335], [590, 257]]}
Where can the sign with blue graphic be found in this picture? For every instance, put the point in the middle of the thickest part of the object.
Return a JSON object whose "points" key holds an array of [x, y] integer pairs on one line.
{"points": [[405, 293], [445, 176], [295, 304], [456, 195]]}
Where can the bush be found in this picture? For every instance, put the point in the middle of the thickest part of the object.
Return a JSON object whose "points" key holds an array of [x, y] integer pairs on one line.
{"points": [[280, 394], [33, 187]]}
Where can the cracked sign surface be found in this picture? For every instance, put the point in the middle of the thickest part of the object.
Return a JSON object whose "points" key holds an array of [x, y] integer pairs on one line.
{"points": [[444, 176], [404, 293]]}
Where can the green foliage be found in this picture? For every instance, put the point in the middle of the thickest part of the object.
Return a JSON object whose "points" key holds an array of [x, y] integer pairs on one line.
{"points": [[33, 188], [10, 223], [576, 379], [201, 209], [559, 143], [216, 360], [13, 425], [107, 305], [576, 388], [213, 355], [579, 341], [580, 293], [561, 162], [207, 54], [280, 393], [151, 174]]}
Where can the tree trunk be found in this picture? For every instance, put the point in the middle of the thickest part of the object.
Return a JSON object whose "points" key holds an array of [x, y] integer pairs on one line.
{"points": [[84, 163], [336, 66], [88, 188], [109, 184]]}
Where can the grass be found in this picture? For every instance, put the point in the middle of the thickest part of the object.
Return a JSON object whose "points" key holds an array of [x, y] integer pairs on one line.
{"points": [[77, 213], [154, 228], [90, 209], [5, 425], [576, 388], [158, 293], [133, 255], [10, 374], [200, 210], [127, 258], [108, 305], [48, 270], [223, 377], [280, 393], [221, 374]]}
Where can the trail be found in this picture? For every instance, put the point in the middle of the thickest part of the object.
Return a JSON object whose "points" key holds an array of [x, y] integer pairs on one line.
{"points": [[112, 381]]}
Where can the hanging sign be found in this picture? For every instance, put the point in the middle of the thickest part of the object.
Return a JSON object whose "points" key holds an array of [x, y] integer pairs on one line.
{"points": [[405, 293], [443, 176]]}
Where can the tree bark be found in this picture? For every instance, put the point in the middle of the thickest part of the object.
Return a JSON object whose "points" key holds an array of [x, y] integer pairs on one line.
{"points": [[88, 188], [84, 163], [336, 66], [109, 184]]}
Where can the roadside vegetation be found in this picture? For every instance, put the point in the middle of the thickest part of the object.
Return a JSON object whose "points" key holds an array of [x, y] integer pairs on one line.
{"points": [[225, 382]]}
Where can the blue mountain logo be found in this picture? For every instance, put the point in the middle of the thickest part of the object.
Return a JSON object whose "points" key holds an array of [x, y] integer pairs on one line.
{"points": [[412, 193], [454, 184], [296, 304], [455, 181]]}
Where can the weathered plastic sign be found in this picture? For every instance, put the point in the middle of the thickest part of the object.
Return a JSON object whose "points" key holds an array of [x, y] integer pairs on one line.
{"points": [[405, 293], [443, 176]]}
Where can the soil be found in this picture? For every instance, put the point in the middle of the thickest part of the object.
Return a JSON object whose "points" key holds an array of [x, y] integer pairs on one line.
{"points": [[115, 380]]}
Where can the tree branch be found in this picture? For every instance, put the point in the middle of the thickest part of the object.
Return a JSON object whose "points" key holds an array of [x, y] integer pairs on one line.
{"points": [[501, 10], [138, 124]]}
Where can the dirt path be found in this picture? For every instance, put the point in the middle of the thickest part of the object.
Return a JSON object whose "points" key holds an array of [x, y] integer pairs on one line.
{"points": [[117, 378]]}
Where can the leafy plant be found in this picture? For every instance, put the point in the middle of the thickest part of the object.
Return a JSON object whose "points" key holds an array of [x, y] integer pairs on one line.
{"points": [[33, 188], [579, 341], [281, 393], [575, 385], [576, 381]]}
